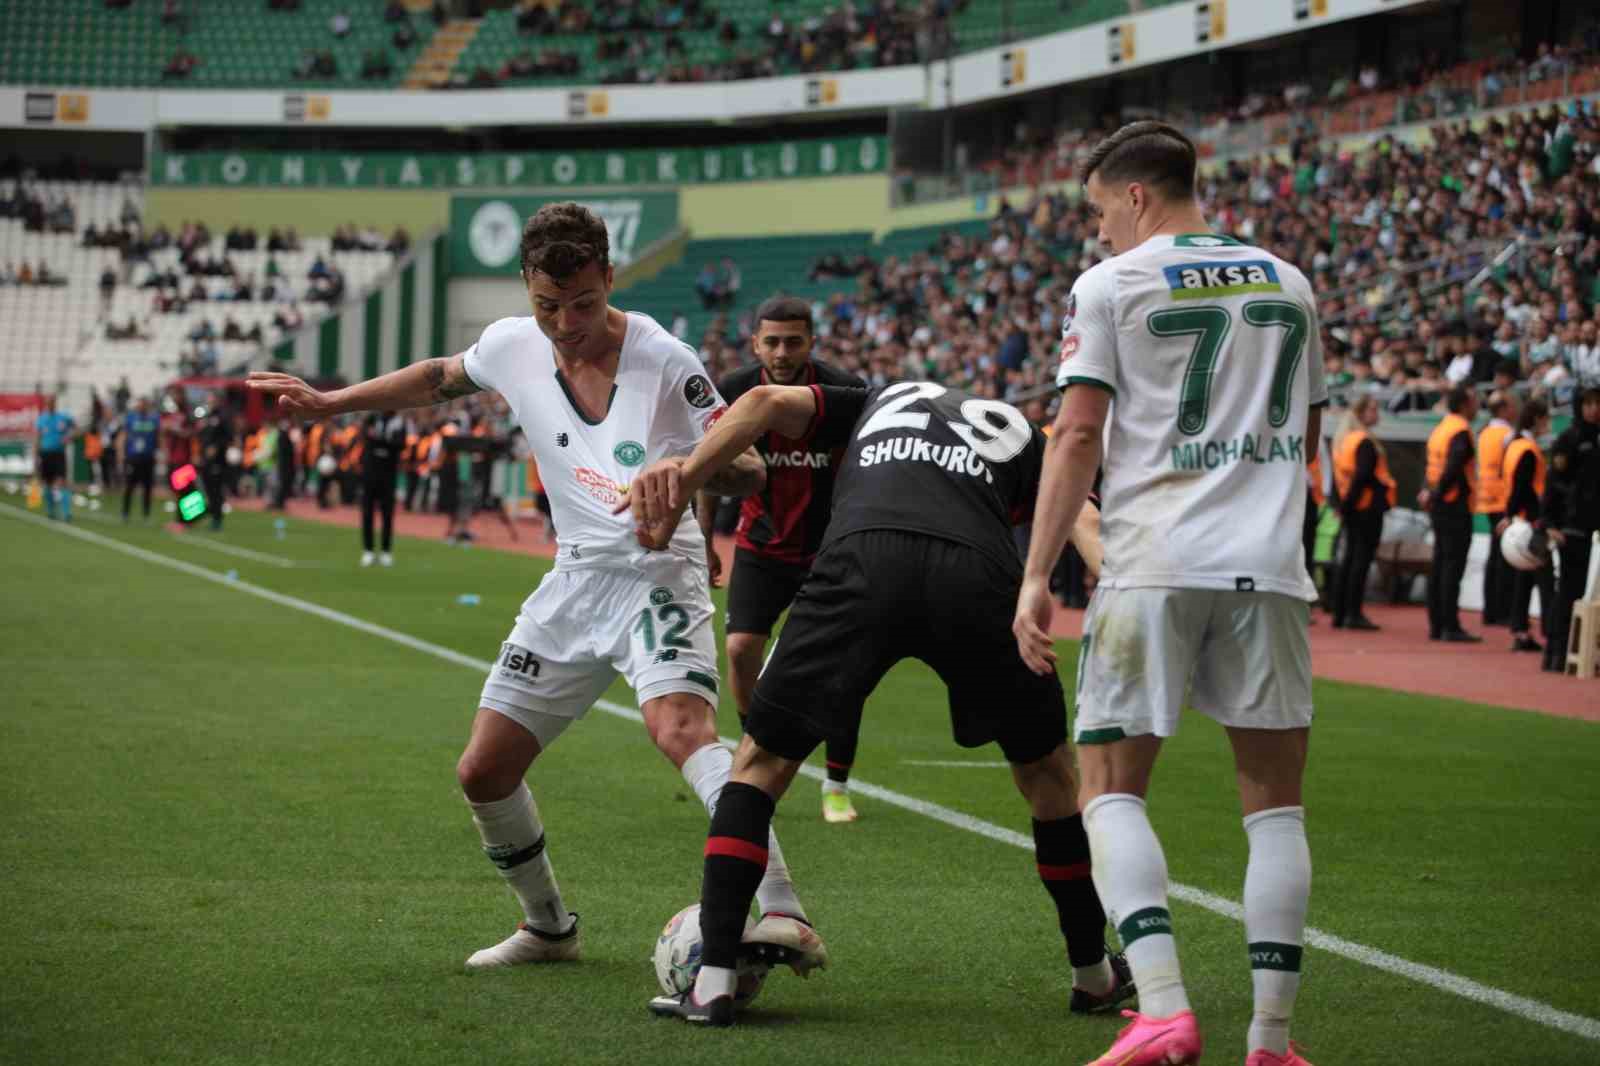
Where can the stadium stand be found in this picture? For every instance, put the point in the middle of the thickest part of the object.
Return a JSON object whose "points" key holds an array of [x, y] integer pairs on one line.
{"points": [[228, 45], [62, 331]]}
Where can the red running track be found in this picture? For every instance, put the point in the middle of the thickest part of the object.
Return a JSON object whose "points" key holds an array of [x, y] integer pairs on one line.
{"points": [[1399, 657]]}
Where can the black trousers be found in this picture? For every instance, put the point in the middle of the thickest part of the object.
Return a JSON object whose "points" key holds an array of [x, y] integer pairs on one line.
{"points": [[1362, 532], [108, 468], [1308, 539], [1569, 590], [141, 472], [283, 485], [1498, 579], [215, 479], [324, 486], [377, 492], [1452, 539], [1523, 584]]}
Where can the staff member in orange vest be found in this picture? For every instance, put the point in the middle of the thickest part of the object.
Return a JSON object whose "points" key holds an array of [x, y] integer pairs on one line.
{"points": [[1366, 491], [1447, 498], [1491, 503], [1524, 470]]}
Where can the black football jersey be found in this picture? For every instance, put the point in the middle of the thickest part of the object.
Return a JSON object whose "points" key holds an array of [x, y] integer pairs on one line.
{"points": [[927, 459], [786, 519]]}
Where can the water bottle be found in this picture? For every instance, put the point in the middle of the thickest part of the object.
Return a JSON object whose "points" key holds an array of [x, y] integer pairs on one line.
{"points": [[280, 529], [468, 599]]}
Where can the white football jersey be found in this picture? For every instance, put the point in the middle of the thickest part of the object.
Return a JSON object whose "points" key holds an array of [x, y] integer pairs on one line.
{"points": [[661, 405], [1212, 352]]}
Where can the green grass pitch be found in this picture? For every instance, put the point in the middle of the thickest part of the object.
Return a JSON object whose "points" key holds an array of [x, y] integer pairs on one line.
{"points": [[232, 834]]}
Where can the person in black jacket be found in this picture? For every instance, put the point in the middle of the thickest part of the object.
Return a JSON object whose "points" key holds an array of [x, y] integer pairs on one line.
{"points": [[1524, 477], [283, 487], [216, 437], [1572, 512], [384, 438]]}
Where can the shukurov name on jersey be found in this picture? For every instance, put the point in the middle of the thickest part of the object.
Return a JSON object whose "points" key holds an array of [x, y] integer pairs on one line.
{"points": [[1196, 281], [1250, 448], [956, 458]]}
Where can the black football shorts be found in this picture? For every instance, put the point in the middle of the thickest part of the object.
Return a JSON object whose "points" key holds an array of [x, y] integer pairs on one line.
{"points": [[879, 596], [759, 590]]}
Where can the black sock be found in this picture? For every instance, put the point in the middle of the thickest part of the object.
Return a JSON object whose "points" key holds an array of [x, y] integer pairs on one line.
{"points": [[841, 755], [736, 859], [1061, 848]]}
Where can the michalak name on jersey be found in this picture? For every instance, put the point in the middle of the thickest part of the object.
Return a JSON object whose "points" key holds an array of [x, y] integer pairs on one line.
{"points": [[956, 458], [814, 460], [1195, 281]]}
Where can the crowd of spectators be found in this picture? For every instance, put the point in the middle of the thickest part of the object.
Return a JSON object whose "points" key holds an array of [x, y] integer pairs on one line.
{"points": [[24, 273], [39, 214], [1392, 236]]}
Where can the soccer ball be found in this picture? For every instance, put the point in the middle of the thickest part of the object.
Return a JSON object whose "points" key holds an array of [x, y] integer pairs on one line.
{"points": [[1524, 547], [678, 951]]}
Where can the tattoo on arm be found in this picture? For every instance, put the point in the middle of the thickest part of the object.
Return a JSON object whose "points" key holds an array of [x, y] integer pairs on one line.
{"points": [[447, 379]]}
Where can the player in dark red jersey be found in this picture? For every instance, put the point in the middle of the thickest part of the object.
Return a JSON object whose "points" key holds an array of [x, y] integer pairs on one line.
{"points": [[781, 528], [919, 562]]}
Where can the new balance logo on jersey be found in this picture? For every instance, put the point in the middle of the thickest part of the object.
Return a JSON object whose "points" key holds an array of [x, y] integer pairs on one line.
{"points": [[956, 458], [666, 655], [814, 460], [1197, 281], [562, 440]]}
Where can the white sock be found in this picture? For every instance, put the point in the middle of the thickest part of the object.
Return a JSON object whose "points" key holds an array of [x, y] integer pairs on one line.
{"points": [[714, 981], [707, 770], [1097, 980], [1130, 873], [513, 838], [1277, 885]]}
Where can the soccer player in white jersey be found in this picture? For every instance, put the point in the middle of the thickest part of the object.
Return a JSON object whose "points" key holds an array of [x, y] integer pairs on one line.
{"points": [[600, 394], [1192, 368]]}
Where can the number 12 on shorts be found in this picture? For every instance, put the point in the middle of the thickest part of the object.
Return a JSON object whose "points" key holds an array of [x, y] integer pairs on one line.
{"points": [[671, 615]]}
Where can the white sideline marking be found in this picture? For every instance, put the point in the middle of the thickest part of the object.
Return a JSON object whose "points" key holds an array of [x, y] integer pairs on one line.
{"points": [[1444, 980], [199, 540], [958, 764]]}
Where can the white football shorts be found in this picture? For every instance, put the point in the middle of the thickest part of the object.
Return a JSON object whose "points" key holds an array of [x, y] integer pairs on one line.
{"points": [[1242, 658], [581, 628]]}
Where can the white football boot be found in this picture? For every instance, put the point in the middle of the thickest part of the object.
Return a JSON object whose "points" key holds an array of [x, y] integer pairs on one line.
{"points": [[530, 945], [783, 938]]}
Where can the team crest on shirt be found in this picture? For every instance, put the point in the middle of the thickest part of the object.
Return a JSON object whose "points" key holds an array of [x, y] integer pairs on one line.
{"points": [[628, 453], [660, 596], [698, 391], [598, 485]]}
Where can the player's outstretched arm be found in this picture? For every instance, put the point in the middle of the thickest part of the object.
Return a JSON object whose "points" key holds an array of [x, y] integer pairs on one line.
{"points": [[421, 384], [724, 461]]}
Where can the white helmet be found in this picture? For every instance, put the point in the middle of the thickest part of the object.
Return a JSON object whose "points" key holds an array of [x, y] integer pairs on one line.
{"points": [[1524, 547], [326, 465]]}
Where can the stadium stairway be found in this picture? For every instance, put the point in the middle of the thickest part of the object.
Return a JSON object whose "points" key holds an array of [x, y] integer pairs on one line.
{"points": [[433, 65]]}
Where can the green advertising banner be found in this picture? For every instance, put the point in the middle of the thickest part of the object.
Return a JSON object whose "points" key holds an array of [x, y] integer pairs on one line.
{"points": [[486, 231], [496, 170]]}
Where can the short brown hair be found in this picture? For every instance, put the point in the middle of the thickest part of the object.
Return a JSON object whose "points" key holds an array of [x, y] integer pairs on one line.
{"points": [[1155, 153], [561, 239], [784, 309]]}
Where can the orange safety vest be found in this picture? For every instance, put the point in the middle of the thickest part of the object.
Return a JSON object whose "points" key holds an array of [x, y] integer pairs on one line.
{"points": [[351, 444], [1344, 471], [313, 444], [1493, 488], [1520, 447], [1439, 450], [424, 452], [1314, 474], [92, 446]]}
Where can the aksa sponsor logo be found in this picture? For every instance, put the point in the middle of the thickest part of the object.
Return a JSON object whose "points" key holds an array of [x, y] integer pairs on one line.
{"points": [[698, 391], [598, 485], [628, 453], [1194, 281]]}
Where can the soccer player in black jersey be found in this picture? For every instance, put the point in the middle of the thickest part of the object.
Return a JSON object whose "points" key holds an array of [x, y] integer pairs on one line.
{"points": [[918, 561], [781, 527]]}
